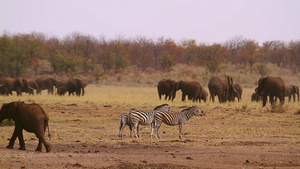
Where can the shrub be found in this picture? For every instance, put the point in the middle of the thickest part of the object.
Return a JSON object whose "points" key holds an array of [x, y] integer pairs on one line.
{"points": [[263, 70], [7, 123]]}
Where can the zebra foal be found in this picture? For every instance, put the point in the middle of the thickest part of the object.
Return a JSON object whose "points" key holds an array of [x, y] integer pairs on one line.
{"points": [[137, 117], [173, 119], [124, 120]]}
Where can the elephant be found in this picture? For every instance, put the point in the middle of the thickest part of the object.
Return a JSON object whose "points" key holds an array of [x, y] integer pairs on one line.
{"points": [[272, 87], [4, 90], [255, 96], [8, 85], [71, 86], [221, 87], [168, 88], [30, 117], [192, 89], [203, 95], [44, 83], [237, 93], [33, 85], [291, 90]]}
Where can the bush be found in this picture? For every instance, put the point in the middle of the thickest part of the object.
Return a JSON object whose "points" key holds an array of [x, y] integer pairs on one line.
{"points": [[7, 123], [263, 70]]}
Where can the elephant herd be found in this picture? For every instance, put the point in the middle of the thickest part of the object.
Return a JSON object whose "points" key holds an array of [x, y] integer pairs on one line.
{"points": [[275, 88], [224, 88], [20, 85]]}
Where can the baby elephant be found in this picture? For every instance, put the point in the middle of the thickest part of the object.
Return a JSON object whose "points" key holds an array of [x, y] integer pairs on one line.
{"points": [[30, 117]]}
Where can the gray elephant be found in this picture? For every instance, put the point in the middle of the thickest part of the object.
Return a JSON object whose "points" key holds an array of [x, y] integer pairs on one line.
{"points": [[291, 90], [203, 95], [168, 88], [45, 83], [255, 96], [71, 86], [222, 87], [30, 117], [8, 85], [272, 87], [33, 86], [237, 93], [191, 89]]}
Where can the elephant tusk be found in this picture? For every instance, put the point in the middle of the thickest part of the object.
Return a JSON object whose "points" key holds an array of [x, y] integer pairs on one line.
{"points": [[234, 89]]}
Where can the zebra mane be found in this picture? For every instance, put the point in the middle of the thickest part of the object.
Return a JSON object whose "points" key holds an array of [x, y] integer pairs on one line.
{"points": [[188, 108], [160, 106]]}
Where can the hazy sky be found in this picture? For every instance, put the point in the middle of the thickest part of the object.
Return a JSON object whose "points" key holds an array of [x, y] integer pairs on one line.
{"points": [[206, 21]]}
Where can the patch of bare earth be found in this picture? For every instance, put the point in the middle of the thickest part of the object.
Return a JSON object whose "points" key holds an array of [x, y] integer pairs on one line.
{"points": [[79, 141]]}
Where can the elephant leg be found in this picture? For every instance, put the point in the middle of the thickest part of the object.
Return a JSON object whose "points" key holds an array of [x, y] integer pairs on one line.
{"points": [[42, 140], [46, 144], [264, 100], [272, 99], [166, 96], [13, 139], [39, 147], [51, 91], [212, 97], [183, 97], [281, 99], [220, 98], [159, 95], [21, 141], [294, 97]]}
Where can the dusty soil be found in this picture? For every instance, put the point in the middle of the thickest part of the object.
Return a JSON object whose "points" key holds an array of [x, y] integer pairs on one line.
{"points": [[87, 137]]}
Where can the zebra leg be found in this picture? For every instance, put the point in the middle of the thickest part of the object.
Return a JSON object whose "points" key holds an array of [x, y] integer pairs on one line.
{"points": [[180, 130], [138, 130], [135, 126], [152, 129], [122, 126], [156, 127], [130, 127]]}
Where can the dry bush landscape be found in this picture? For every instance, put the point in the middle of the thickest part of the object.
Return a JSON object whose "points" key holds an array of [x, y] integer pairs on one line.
{"points": [[231, 135]]}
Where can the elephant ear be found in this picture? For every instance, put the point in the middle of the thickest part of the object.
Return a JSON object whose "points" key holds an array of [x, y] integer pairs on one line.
{"points": [[20, 81], [264, 81], [9, 110]]}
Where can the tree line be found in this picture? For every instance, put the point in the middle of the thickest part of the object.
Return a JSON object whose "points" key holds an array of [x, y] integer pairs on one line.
{"points": [[79, 53]]}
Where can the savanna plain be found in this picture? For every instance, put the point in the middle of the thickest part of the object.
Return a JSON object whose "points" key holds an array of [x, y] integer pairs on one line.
{"points": [[85, 133]]}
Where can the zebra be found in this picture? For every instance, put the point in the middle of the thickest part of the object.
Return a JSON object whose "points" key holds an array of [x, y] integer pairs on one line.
{"points": [[137, 117], [124, 120], [173, 119]]}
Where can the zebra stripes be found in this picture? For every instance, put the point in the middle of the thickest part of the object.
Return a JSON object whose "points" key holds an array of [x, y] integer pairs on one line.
{"points": [[124, 120], [137, 117], [175, 119]]}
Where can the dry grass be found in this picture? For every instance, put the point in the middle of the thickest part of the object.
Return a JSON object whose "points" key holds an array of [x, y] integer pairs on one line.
{"points": [[95, 117]]}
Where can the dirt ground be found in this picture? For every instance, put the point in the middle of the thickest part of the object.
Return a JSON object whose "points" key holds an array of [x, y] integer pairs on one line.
{"points": [[87, 137]]}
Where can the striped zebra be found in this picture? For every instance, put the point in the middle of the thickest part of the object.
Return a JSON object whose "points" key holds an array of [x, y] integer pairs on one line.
{"points": [[137, 117], [173, 119], [124, 120]]}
